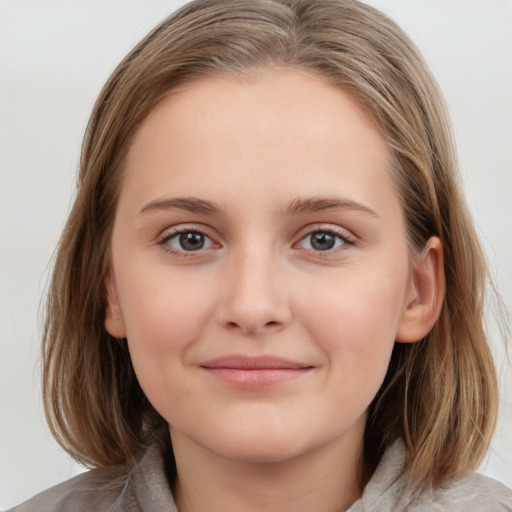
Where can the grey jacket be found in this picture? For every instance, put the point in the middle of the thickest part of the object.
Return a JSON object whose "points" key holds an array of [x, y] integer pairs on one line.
{"points": [[145, 488]]}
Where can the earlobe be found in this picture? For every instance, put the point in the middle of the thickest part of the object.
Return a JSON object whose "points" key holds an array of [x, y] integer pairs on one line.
{"points": [[425, 299], [114, 320]]}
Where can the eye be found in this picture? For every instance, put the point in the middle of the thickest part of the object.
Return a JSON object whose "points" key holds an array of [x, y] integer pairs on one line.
{"points": [[186, 241], [323, 240]]}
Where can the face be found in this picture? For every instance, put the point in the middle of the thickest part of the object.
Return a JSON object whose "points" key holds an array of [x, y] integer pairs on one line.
{"points": [[259, 264]]}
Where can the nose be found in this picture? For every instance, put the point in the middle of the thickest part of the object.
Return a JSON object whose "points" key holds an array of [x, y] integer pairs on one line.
{"points": [[254, 295]]}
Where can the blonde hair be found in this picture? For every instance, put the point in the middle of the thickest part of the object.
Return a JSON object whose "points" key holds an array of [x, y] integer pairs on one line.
{"points": [[440, 394]]}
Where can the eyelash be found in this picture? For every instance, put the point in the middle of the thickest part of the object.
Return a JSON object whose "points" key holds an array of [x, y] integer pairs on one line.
{"points": [[163, 241], [337, 234]]}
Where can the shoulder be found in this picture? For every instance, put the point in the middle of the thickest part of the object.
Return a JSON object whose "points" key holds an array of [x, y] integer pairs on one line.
{"points": [[467, 491], [471, 491], [144, 486], [98, 490], [389, 491]]}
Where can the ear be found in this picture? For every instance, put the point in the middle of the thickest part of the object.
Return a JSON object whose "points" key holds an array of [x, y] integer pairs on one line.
{"points": [[425, 294], [114, 320]]}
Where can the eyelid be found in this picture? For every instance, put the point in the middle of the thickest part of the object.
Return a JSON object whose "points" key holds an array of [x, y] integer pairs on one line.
{"points": [[167, 234], [347, 236], [173, 231]]}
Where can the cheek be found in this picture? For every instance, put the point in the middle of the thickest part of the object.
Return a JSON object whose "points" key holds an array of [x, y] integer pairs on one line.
{"points": [[163, 321], [354, 321], [162, 310]]}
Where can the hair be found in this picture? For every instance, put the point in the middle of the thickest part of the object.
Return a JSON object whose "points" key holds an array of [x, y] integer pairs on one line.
{"points": [[439, 394]]}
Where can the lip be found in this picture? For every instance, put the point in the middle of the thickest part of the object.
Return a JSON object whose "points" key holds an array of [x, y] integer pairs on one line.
{"points": [[255, 372]]}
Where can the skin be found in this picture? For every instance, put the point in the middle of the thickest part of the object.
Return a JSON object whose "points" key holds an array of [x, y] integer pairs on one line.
{"points": [[263, 152]]}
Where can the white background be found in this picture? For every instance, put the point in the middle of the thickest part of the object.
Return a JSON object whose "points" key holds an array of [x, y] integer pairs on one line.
{"points": [[54, 57]]}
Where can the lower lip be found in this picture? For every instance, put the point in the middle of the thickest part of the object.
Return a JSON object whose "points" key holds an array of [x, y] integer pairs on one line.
{"points": [[257, 378]]}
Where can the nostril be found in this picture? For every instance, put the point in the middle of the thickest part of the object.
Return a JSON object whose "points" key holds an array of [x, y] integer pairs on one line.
{"points": [[251, 328]]}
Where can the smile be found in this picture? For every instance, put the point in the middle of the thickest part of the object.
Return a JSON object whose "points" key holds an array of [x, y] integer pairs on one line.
{"points": [[247, 372]]}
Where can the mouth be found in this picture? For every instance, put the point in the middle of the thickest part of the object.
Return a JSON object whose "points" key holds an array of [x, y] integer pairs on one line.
{"points": [[249, 372]]}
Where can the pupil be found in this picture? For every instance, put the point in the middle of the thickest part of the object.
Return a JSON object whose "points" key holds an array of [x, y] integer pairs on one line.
{"points": [[322, 241], [191, 241]]}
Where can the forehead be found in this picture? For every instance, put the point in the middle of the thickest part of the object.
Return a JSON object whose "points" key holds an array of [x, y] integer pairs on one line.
{"points": [[285, 127]]}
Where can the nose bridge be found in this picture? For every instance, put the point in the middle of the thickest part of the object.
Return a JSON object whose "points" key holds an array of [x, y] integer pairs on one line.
{"points": [[254, 298]]}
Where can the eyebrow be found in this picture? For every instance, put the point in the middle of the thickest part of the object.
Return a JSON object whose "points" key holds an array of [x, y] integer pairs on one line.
{"points": [[190, 204], [319, 204], [298, 205]]}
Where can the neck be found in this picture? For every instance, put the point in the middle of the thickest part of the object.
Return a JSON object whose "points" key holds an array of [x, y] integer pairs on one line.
{"points": [[325, 479]]}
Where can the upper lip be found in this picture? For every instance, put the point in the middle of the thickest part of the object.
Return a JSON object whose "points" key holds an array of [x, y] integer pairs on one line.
{"points": [[265, 362]]}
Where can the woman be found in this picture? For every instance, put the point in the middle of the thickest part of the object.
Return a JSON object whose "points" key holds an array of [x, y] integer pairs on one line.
{"points": [[257, 298]]}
